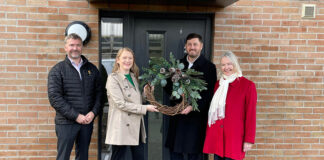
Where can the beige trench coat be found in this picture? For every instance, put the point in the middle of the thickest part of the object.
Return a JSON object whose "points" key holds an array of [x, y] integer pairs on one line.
{"points": [[125, 116]]}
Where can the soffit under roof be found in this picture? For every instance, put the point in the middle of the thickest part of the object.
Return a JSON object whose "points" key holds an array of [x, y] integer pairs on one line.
{"points": [[210, 3]]}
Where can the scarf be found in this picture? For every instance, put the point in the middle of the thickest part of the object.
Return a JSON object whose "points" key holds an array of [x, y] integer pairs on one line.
{"points": [[217, 105]]}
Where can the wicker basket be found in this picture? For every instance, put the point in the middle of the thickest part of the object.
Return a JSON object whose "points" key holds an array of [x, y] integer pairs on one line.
{"points": [[171, 111]]}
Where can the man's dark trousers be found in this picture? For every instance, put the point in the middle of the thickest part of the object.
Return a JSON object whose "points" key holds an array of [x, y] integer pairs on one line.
{"points": [[67, 135]]}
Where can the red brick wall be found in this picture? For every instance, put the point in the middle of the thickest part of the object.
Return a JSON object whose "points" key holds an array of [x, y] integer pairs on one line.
{"points": [[283, 54], [279, 51], [31, 41]]}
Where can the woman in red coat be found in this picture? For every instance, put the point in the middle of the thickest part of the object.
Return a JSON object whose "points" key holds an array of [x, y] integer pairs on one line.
{"points": [[232, 113]]}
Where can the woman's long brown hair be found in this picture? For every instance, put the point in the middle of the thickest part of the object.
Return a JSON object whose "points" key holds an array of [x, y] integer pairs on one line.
{"points": [[134, 68]]}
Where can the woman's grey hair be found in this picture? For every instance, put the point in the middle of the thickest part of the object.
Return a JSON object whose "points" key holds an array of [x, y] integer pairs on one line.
{"points": [[232, 57]]}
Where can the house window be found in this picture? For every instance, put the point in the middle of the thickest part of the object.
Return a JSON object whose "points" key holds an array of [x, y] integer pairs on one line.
{"points": [[111, 40], [156, 49]]}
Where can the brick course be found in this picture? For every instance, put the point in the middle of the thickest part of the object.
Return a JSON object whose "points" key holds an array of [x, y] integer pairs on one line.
{"points": [[290, 80], [31, 41]]}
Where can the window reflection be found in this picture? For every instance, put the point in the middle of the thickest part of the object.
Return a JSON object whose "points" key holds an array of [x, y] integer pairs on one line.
{"points": [[111, 40]]}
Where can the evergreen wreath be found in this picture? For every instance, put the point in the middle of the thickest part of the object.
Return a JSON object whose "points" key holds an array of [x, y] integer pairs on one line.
{"points": [[186, 84]]}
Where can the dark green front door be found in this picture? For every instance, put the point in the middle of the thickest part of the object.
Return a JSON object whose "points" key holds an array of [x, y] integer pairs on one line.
{"points": [[157, 37]]}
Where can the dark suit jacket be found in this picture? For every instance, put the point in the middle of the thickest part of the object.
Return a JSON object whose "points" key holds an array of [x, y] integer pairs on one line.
{"points": [[186, 133]]}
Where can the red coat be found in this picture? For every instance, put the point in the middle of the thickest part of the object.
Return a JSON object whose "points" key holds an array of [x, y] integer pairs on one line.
{"points": [[226, 137]]}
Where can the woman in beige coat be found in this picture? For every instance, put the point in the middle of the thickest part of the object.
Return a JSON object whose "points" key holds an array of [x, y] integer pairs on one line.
{"points": [[125, 126]]}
